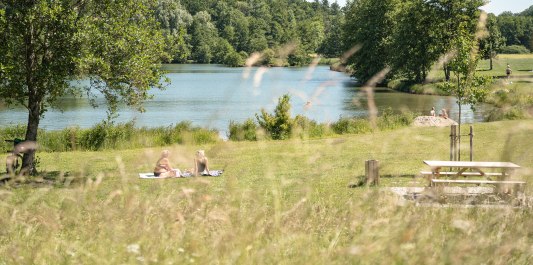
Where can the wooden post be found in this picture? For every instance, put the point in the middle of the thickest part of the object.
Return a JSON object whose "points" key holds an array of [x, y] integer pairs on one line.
{"points": [[471, 134], [372, 172], [453, 138]]}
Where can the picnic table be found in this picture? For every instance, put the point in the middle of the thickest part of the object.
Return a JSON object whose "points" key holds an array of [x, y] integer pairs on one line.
{"points": [[467, 169]]}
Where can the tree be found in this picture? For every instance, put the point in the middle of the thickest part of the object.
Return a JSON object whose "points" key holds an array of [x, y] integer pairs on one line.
{"points": [[333, 46], [174, 21], [516, 29], [450, 16], [468, 88], [311, 34], [414, 42], [204, 36], [369, 24], [493, 42], [45, 44]]}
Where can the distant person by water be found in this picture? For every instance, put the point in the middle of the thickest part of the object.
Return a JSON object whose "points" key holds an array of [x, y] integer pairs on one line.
{"points": [[432, 112], [443, 113], [508, 71]]}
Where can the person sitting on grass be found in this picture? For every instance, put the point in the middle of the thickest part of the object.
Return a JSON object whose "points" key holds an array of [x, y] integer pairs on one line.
{"points": [[201, 167], [163, 169]]}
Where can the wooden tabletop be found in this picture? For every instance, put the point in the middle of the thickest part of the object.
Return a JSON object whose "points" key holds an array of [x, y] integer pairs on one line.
{"points": [[470, 164]]}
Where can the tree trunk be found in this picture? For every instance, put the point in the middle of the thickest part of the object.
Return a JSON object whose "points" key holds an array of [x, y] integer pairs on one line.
{"points": [[31, 135], [447, 72], [490, 60]]}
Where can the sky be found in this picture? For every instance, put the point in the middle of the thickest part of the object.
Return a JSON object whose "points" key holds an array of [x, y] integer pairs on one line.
{"points": [[495, 6]]}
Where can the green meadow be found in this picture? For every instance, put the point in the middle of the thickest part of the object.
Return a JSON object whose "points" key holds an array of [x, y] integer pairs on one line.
{"points": [[521, 65], [278, 202]]}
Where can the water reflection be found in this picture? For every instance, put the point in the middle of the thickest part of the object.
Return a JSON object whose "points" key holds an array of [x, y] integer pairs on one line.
{"points": [[212, 96]]}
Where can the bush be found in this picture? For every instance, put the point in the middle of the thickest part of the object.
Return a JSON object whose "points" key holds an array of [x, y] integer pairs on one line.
{"points": [[93, 138], [279, 125], [509, 104], [246, 131], [269, 57], [515, 49], [299, 57], [389, 120], [351, 126], [233, 59], [303, 128]]}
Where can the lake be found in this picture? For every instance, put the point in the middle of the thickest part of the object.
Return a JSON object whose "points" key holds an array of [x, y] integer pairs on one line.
{"points": [[211, 96]]}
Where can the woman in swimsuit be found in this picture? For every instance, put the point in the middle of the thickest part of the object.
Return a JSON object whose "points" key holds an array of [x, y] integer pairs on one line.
{"points": [[163, 169], [200, 164]]}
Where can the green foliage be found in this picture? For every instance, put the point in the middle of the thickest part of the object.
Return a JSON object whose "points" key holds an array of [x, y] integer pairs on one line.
{"points": [[116, 44], [414, 35], [351, 126], [234, 59], [369, 24], [467, 87], [221, 50], [247, 131], [493, 41], [388, 120], [305, 128], [509, 104], [515, 49], [174, 21], [299, 57], [248, 26], [279, 124], [516, 29], [109, 136]]}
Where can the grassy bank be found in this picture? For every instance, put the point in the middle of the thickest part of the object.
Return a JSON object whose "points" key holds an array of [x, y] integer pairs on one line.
{"points": [[278, 202]]}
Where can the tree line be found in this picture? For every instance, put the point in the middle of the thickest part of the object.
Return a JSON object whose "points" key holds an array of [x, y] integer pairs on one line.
{"points": [[286, 32], [409, 36]]}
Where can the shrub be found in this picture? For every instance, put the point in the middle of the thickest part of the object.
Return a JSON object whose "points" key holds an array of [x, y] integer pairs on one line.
{"points": [[247, 131], [233, 59], [515, 49], [93, 138], [279, 125], [509, 104], [351, 126], [303, 127], [389, 120], [299, 57], [268, 57]]}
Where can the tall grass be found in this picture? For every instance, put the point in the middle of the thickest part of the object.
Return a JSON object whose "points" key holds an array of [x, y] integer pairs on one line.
{"points": [[106, 136]]}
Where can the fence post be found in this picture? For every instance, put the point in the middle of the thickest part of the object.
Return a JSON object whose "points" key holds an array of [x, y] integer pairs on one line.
{"points": [[453, 141], [372, 172], [471, 134]]}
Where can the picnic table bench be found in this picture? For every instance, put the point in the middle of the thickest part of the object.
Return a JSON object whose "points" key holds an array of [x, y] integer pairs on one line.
{"points": [[467, 169]]}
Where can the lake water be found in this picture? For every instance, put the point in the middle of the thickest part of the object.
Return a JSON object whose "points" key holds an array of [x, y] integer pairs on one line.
{"points": [[212, 96]]}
